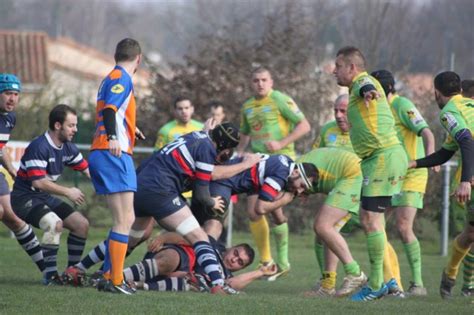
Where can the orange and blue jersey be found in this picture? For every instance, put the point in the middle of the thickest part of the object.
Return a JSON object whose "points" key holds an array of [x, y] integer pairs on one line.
{"points": [[44, 159], [116, 92], [177, 166]]}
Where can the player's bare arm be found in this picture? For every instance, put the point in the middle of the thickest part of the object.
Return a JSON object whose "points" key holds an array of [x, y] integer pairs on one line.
{"points": [[72, 193], [263, 207], [302, 128], [227, 171]]}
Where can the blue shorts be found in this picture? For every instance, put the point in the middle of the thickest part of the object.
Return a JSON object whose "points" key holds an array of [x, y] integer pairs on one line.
{"points": [[111, 174], [157, 205]]}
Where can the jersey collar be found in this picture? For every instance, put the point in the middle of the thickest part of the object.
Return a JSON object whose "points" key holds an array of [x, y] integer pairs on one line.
{"points": [[51, 142]]}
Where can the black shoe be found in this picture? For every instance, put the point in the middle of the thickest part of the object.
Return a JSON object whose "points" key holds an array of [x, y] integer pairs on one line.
{"points": [[122, 288], [446, 286], [54, 280]]}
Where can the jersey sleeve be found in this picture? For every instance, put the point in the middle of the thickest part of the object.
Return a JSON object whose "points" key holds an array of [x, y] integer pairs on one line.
{"points": [[205, 159], [77, 163], [450, 144], [35, 163], [244, 124], [361, 85], [318, 143], [272, 185], [410, 117], [161, 139], [288, 108], [453, 122], [116, 91]]}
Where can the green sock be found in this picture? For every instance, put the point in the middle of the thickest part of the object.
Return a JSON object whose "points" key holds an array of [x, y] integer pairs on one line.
{"points": [[352, 268], [468, 270], [375, 246], [319, 251], [414, 259], [280, 233]]}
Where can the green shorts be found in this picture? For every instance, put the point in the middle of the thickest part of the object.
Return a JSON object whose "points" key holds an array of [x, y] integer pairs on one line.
{"points": [[384, 172], [408, 199], [346, 195]]}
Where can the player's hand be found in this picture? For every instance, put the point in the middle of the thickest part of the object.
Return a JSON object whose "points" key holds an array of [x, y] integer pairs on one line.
{"points": [[269, 270], [210, 124], [463, 192], [251, 159], [114, 148], [155, 244], [273, 146], [436, 168], [370, 96], [219, 205], [75, 195], [411, 164], [12, 173], [139, 134]]}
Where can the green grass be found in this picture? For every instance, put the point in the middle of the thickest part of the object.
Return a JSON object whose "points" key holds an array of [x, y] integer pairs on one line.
{"points": [[21, 291]]}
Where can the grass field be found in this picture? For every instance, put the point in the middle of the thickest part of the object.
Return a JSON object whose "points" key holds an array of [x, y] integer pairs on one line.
{"points": [[21, 291]]}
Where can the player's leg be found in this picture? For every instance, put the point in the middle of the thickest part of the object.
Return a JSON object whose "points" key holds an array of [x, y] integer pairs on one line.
{"points": [[78, 226], [173, 284], [468, 274], [280, 234], [260, 230], [162, 263]]}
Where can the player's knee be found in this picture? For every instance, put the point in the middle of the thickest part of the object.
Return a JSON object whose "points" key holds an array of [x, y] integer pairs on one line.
{"points": [[190, 227], [52, 226], [404, 227], [82, 227]]}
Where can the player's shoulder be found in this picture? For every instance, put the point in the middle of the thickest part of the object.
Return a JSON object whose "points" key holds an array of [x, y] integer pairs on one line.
{"points": [[328, 126], [167, 127], [248, 103], [279, 96], [197, 124]]}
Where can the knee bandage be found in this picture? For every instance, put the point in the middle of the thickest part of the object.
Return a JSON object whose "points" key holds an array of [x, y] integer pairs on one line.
{"points": [[48, 224], [187, 226], [138, 234]]}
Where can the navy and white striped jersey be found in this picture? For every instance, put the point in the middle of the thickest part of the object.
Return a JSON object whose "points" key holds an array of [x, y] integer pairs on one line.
{"points": [[43, 159], [188, 159], [7, 123]]}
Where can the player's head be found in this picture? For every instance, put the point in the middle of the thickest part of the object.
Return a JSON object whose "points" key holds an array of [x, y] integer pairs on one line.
{"points": [[386, 79], [128, 50], [467, 88], [446, 84], [10, 87], [217, 111], [302, 178], [340, 112], [349, 62], [262, 82], [183, 109], [63, 122], [238, 257], [226, 137]]}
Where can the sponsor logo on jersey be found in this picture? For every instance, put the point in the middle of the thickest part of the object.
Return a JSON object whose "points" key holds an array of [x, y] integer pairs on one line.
{"points": [[177, 202], [117, 88], [284, 160], [366, 181], [257, 125], [449, 121], [415, 116], [364, 81], [332, 137]]}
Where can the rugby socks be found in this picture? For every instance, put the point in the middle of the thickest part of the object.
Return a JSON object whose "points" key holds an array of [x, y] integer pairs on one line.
{"points": [[468, 270], [391, 267], [329, 280], [457, 256], [206, 258], [96, 255], [167, 284], [75, 247], [118, 244], [413, 253], [352, 268], [50, 253], [143, 271], [319, 251], [280, 234], [28, 240], [261, 235], [375, 246]]}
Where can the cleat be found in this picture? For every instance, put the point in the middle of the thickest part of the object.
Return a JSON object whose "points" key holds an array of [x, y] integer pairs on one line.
{"points": [[54, 280], [74, 276], [223, 290], [446, 286], [197, 282], [351, 284], [317, 285], [280, 273], [123, 288], [416, 290], [467, 292], [394, 290], [367, 294], [321, 292], [95, 278]]}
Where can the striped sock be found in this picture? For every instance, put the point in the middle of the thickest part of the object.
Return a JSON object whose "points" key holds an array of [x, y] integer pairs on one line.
{"points": [[95, 256], [75, 247], [206, 258], [143, 271], [50, 253], [167, 284], [468, 271], [28, 240]]}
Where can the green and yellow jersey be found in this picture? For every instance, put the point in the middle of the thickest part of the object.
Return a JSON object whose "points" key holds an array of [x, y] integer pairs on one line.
{"points": [[456, 115], [173, 130], [409, 123], [372, 127], [332, 136], [270, 118]]}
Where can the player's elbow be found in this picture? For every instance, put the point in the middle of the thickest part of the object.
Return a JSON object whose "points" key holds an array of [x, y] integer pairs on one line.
{"points": [[305, 126]]}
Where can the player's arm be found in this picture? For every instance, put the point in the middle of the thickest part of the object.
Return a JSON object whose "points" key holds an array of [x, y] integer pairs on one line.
{"points": [[156, 243], [244, 279], [437, 158], [429, 143], [267, 206], [227, 171], [243, 144], [244, 133], [6, 162], [72, 193], [302, 128]]}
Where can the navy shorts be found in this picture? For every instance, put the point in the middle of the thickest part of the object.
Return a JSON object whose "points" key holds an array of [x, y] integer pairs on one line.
{"points": [[187, 258], [157, 205], [111, 174], [4, 189]]}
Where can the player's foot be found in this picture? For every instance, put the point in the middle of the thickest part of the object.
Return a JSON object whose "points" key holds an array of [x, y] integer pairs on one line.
{"points": [[95, 278], [223, 290], [446, 286], [74, 276], [317, 285], [54, 280], [367, 294], [394, 290], [416, 290], [351, 284], [123, 288], [280, 273], [321, 292], [197, 282], [468, 292]]}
